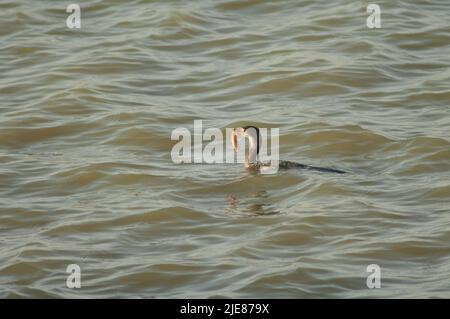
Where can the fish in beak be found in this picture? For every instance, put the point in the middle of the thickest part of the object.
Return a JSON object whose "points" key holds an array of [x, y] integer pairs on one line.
{"points": [[234, 141]]}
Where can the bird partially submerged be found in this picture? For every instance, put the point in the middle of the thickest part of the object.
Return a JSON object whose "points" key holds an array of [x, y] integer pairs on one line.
{"points": [[251, 160]]}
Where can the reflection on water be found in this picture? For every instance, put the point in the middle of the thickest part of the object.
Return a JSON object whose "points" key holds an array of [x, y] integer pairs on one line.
{"points": [[254, 204]]}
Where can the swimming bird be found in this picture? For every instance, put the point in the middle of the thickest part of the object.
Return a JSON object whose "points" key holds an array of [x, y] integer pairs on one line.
{"points": [[251, 160]]}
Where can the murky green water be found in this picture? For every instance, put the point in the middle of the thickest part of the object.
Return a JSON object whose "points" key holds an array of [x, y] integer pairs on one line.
{"points": [[86, 175]]}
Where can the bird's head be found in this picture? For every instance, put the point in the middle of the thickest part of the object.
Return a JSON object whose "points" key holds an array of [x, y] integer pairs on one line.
{"points": [[250, 132]]}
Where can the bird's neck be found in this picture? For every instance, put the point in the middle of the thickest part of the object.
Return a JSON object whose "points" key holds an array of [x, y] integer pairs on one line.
{"points": [[252, 157]]}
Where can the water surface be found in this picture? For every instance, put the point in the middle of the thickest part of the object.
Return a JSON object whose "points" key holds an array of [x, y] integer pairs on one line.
{"points": [[86, 175]]}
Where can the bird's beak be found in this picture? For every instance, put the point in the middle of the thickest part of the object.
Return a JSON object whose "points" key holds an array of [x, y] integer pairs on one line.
{"points": [[234, 140]]}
